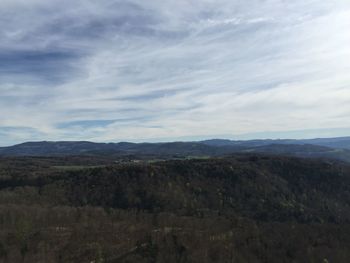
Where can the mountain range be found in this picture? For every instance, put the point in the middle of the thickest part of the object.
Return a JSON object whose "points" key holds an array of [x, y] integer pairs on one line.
{"points": [[330, 148]]}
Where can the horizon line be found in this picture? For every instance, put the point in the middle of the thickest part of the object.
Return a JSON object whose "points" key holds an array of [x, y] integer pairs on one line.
{"points": [[177, 141]]}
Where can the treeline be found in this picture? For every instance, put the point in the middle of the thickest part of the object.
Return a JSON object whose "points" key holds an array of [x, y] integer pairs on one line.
{"points": [[258, 187]]}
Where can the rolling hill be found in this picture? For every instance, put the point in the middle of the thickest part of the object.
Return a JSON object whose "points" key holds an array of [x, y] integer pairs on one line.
{"points": [[317, 148], [249, 208]]}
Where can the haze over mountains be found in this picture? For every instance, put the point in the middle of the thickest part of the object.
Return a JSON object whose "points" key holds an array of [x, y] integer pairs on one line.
{"points": [[339, 142], [333, 148]]}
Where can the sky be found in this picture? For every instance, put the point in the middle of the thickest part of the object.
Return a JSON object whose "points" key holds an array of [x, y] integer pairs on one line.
{"points": [[156, 70]]}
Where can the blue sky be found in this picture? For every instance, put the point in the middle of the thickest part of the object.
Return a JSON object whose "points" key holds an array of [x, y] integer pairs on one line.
{"points": [[158, 70]]}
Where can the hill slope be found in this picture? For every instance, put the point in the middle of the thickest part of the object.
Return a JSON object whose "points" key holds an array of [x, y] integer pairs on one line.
{"points": [[244, 208]]}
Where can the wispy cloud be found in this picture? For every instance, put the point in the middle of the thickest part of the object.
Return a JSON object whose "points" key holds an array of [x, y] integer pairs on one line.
{"points": [[140, 70]]}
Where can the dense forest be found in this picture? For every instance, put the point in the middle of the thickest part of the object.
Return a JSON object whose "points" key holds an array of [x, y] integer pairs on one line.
{"points": [[243, 208]]}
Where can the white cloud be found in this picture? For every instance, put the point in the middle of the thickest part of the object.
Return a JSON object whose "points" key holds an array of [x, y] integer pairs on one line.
{"points": [[167, 69]]}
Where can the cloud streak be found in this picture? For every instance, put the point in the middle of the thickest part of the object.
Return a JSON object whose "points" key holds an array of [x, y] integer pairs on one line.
{"points": [[147, 70]]}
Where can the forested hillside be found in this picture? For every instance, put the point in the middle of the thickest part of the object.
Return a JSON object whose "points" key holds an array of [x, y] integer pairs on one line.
{"points": [[242, 208]]}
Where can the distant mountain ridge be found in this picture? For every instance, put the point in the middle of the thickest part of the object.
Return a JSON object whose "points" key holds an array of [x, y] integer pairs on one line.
{"points": [[331, 148], [338, 142], [123, 148]]}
